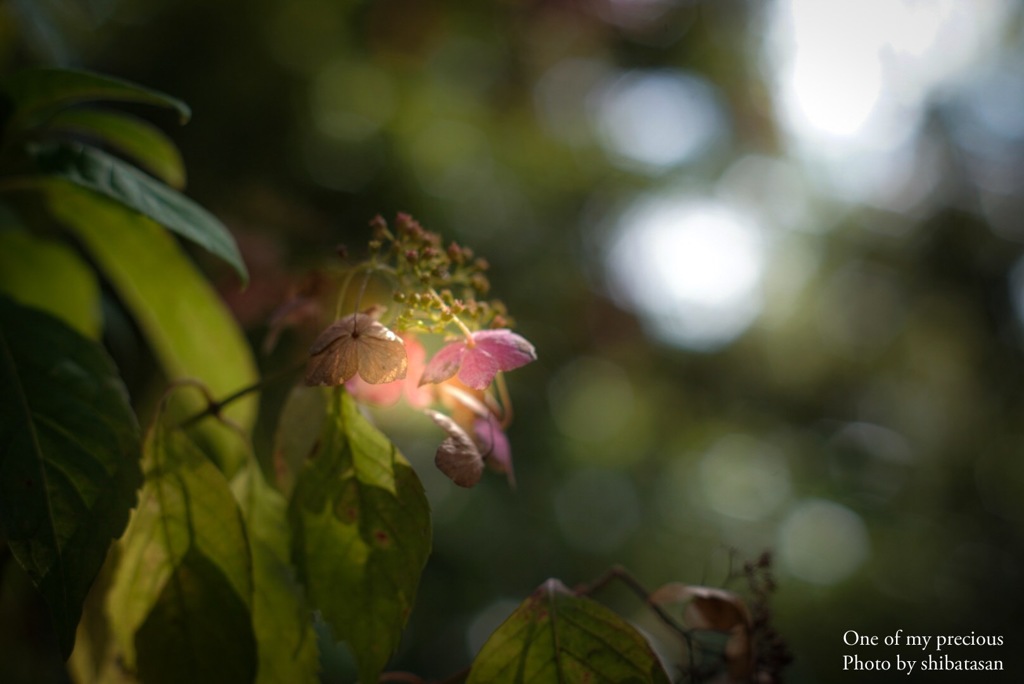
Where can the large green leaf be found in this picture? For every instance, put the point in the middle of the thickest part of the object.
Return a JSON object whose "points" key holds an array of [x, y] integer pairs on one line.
{"points": [[35, 94], [555, 636], [180, 602], [284, 632], [106, 175], [48, 275], [140, 140], [188, 326], [361, 535], [69, 449]]}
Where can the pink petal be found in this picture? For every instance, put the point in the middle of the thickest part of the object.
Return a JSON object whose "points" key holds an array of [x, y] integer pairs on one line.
{"points": [[493, 351], [494, 446], [508, 349], [418, 395], [444, 364], [478, 368], [384, 394]]}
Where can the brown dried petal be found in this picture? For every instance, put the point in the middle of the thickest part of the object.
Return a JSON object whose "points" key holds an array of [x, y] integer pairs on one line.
{"points": [[356, 344], [458, 456]]}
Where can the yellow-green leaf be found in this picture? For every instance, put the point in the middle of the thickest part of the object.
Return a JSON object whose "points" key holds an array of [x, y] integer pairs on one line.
{"points": [[288, 651], [555, 636], [48, 275], [188, 326], [181, 598], [361, 535], [298, 430], [114, 179]]}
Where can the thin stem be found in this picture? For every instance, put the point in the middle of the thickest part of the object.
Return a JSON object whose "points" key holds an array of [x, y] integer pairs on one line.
{"points": [[362, 289], [344, 289], [618, 572], [215, 406], [466, 332], [505, 399]]}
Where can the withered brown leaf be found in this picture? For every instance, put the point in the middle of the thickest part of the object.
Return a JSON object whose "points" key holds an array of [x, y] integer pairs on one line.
{"points": [[356, 344], [458, 456]]}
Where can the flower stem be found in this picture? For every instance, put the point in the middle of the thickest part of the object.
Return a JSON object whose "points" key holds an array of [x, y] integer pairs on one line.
{"points": [[466, 332]]}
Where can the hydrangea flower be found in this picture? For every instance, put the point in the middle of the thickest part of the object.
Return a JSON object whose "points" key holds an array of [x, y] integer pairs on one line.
{"points": [[478, 359]]}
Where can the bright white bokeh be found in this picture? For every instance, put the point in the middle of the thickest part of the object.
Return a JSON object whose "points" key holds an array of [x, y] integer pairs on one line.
{"points": [[853, 79], [656, 120], [690, 267]]}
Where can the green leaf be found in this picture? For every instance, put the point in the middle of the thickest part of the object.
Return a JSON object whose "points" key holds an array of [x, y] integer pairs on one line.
{"points": [[186, 323], [298, 430], [106, 175], [140, 140], [69, 446], [555, 636], [361, 535], [179, 605], [284, 632], [35, 94], [47, 275]]}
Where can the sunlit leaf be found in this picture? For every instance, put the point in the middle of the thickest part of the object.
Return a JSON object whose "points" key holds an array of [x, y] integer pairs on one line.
{"points": [[284, 632], [356, 344], [361, 535], [188, 326], [69, 449], [34, 94], [144, 143], [106, 175], [557, 637], [180, 602], [48, 275]]}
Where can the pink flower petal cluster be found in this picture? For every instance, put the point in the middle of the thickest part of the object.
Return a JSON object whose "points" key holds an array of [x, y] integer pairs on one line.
{"points": [[479, 360], [388, 393]]}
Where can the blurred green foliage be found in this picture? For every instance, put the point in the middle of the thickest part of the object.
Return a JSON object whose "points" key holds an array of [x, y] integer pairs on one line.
{"points": [[866, 424]]}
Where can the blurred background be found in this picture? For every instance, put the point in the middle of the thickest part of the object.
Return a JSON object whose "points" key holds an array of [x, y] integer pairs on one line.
{"points": [[770, 254]]}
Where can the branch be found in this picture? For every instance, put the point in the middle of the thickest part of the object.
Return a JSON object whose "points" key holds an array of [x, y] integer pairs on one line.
{"points": [[617, 572], [215, 406]]}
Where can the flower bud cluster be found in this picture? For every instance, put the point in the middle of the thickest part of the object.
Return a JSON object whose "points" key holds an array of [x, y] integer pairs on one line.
{"points": [[436, 283]]}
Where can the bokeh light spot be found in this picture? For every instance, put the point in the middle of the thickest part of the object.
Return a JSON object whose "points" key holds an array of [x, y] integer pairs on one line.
{"points": [[691, 268], [823, 542], [656, 120], [743, 478], [591, 399]]}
